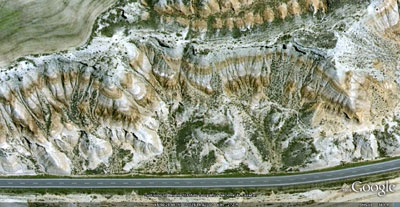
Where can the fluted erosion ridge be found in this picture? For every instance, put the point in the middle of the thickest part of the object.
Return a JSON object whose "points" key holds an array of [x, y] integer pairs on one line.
{"points": [[203, 14], [61, 109], [300, 91]]}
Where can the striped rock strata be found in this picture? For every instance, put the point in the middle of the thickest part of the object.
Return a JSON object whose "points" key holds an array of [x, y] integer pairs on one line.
{"points": [[150, 99]]}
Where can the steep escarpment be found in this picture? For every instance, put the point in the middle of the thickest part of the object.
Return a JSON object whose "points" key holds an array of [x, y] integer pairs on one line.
{"points": [[283, 74], [215, 14], [67, 116], [297, 85]]}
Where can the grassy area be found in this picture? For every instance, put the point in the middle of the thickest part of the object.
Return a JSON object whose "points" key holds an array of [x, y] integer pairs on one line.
{"points": [[9, 19]]}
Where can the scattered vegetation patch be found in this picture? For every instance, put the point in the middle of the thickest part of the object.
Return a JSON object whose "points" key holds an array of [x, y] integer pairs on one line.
{"points": [[298, 152]]}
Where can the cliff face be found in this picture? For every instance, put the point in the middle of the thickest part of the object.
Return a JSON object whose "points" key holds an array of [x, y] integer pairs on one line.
{"points": [[299, 85], [214, 14]]}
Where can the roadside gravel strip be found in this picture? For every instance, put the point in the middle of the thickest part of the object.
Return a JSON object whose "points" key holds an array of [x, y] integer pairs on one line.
{"points": [[236, 182]]}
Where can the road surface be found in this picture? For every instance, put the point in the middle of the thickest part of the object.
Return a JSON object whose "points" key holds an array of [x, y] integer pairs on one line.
{"points": [[236, 182]]}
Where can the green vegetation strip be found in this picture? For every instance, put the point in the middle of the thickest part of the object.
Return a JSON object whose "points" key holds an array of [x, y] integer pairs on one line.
{"points": [[265, 191], [233, 174]]}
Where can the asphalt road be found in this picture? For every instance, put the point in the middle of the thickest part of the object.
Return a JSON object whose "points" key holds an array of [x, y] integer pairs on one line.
{"points": [[271, 181]]}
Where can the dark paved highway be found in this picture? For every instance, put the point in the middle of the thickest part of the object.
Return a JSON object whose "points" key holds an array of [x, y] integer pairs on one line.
{"points": [[272, 181]]}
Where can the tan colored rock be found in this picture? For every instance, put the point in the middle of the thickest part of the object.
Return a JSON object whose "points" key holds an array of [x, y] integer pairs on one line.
{"points": [[317, 5], [164, 9], [295, 9], [75, 111], [239, 23], [199, 25], [235, 5], [204, 11], [249, 19], [282, 11], [218, 23], [225, 5], [268, 15], [183, 21], [229, 23], [167, 19], [185, 10], [384, 18], [258, 19], [214, 6]]}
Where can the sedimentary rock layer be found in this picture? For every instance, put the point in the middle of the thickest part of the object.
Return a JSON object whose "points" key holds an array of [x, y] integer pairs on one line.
{"points": [[283, 74], [59, 109], [301, 91], [234, 14]]}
